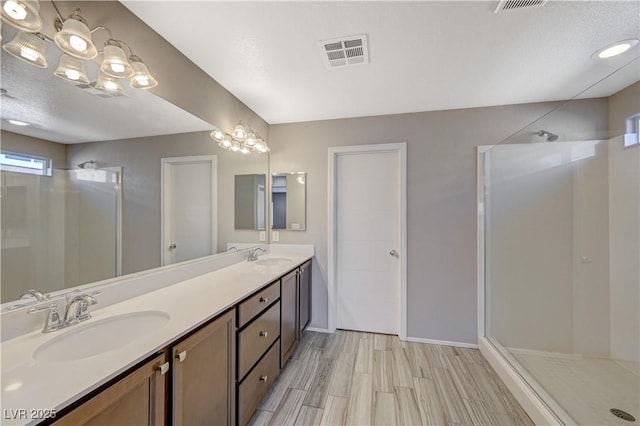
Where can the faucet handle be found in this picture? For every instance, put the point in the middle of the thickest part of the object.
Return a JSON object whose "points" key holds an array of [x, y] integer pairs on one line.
{"points": [[52, 322], [78, 308]]}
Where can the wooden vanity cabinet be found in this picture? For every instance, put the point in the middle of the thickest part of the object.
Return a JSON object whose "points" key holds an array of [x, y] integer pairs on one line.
{"points": [[289, 315], [304, 297], [296, 308], [204, 377], [137, 399]]}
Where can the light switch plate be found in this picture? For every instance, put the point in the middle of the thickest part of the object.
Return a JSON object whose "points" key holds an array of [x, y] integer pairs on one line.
{"points": [[275, 236], [263, 236]]}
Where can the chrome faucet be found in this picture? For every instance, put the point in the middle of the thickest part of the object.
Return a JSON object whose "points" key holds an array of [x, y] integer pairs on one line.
{"points": [[39, 296], [253, 254], [78, 308]]}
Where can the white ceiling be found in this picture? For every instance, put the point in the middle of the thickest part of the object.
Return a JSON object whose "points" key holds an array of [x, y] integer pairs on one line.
{"points": [[425, 55]]}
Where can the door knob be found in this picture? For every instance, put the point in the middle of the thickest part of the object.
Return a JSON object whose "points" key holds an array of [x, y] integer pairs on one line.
{"points": [[173, 246], [393, 253]]}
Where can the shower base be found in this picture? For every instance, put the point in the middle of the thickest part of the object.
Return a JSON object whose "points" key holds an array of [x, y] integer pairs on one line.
{"points": [[587, 388]]}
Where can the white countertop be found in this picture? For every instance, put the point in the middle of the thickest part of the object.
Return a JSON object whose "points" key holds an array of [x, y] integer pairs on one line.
{"points": [[42, 385]]}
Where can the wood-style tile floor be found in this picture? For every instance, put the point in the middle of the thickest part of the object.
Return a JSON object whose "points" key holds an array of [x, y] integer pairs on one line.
{"points": [[352, 378]]}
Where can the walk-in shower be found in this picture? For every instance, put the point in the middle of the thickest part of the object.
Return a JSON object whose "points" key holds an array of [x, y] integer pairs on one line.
{"points": [[559, 267], [59, 230]]}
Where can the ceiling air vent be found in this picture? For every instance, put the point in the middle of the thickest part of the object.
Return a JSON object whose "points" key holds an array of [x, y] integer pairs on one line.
{"points": [[505, 5], [344, 51]]}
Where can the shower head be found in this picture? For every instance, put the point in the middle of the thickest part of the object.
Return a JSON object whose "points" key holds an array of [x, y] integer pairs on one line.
{"points": [[83, 165], [551, 137]]}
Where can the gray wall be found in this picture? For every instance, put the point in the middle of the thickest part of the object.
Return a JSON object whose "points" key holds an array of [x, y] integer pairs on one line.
{"points": [[622, 105], [26, 144], [441, 179]]}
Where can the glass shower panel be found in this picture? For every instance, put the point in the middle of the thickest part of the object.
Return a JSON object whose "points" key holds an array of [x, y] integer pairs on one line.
{"points": [[58, 231], [32, 223], [92, 225], [562, 230]]}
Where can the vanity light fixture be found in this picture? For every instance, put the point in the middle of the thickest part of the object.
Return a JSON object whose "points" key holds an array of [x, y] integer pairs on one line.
{"points": [[114, 62], [239, 132], [28, 47], [74, 37], [22, 14], [614, 49], [72, 69], [106, 83], [252, 141], [141, 78]]}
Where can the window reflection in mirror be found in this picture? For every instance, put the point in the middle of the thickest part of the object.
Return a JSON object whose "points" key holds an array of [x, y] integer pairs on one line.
{"points": [[249, 202], [288, 201]]}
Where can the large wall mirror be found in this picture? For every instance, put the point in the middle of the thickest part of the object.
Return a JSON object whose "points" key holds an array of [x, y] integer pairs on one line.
{"points": [[288, 201], [91, 207]]}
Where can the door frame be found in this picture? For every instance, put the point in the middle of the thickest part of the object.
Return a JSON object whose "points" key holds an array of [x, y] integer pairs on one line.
{"points": [[165, 198], [334, 153]]}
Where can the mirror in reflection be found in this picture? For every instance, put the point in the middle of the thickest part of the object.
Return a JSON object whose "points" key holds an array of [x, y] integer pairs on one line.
{"points": [[249, 201], [288, 201]]}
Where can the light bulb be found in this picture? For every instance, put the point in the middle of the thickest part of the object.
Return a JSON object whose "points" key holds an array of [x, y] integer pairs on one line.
{"points": [[251, 139], [217, 135], [240, 132], [142, 80], [111, 85], [15, 10], [245, 150], [78, 43], [72, 74], [28, 54], [119, 68]]}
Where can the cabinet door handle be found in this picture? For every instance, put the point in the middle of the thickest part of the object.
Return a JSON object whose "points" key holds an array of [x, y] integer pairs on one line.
{"points": [[264, 299], [263, 378], [181, 356], [164, 368], [263, 334]]}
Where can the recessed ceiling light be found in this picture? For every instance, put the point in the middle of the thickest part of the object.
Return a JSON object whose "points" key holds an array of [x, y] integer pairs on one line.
{"points": [[18, 123], [615, 49]]}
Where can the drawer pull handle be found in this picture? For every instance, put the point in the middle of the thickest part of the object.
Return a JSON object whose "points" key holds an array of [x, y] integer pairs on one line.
{"points": [[264, 299], [263, 334], [263, 378], [181, 356], [164, 368]]}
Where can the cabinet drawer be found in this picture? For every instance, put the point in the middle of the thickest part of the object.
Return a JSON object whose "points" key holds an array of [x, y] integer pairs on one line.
{"points": [[254, 340], [257, 384], [257, 303]]}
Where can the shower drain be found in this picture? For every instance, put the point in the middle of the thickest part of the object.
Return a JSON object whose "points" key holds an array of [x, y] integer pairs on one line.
{"points": [[623, 415]]}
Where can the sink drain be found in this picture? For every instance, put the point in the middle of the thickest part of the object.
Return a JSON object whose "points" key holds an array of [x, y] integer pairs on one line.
{"points": [[623, 415]]}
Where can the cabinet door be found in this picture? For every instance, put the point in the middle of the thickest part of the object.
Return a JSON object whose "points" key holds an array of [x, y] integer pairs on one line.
{"points": [[137, 399], [288, 319], [204, 375], [305, 297]]}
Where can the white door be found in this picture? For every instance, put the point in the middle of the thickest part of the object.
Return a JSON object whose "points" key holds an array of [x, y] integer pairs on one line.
{"points": [[189, 208], [368, 208]]}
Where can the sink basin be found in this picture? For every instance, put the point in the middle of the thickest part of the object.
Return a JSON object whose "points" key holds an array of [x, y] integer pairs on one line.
{"points": [[99, 337], [273, 261]]}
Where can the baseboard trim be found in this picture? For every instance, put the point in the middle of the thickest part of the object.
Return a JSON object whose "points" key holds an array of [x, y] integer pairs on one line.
{"points": [[442, 342], [318, 329]]}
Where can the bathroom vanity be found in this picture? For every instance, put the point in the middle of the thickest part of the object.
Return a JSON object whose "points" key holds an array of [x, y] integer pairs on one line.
{"points": [[216, 344]]}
